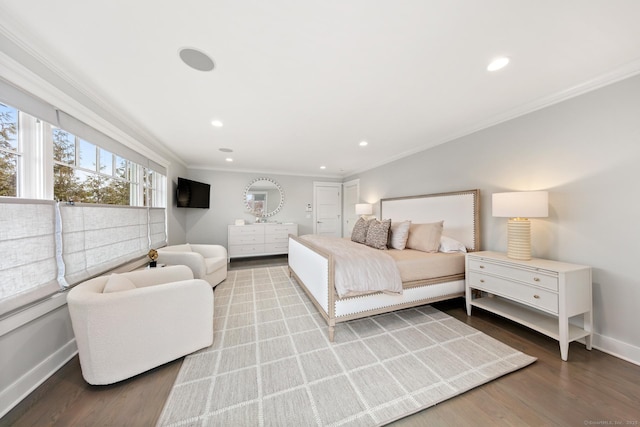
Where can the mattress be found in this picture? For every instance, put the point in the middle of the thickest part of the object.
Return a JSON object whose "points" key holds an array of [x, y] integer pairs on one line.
{"points": [[417, 265]]}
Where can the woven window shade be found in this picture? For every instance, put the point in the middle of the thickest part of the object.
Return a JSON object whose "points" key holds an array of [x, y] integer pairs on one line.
{"points": [[28, 268], [98, 238], [157, 227]]}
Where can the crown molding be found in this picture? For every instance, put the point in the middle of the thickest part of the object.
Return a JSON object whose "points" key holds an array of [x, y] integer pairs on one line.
{"points": [[264, 172], [626, 71], [33, 71]]}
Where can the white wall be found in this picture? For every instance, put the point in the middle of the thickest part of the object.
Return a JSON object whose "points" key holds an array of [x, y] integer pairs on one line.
{"points": [[585, 152], [227, 189]]}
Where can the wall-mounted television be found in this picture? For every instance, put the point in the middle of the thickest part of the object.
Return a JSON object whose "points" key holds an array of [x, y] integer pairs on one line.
{"points": [[192, 194]]}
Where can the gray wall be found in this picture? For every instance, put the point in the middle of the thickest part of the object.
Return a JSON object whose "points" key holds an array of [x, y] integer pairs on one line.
{"points": [[227, 189], [585, 152], [176, 218]]}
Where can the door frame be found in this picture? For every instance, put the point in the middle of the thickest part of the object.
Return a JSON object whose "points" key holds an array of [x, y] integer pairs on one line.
{"points": [[316, 184], [353, 183]]}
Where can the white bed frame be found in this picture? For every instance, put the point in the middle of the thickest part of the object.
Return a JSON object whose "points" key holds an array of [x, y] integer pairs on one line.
{"points": [[313, 268]]}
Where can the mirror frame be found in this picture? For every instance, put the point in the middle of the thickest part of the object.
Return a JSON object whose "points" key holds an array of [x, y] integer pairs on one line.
{"points": [[248, 187]]}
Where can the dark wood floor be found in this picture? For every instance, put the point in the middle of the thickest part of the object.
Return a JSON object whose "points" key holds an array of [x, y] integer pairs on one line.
{"points": [[592, 388]]}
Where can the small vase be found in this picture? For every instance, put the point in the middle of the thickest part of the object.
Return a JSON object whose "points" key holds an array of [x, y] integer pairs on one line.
{"points": [[152, 264]]}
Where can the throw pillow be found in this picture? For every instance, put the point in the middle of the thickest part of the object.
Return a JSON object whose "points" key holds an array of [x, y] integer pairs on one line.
{"points": [[359, 233], [449, 245], [118, 283], [425, 237], [398, 234], [378, 234]]}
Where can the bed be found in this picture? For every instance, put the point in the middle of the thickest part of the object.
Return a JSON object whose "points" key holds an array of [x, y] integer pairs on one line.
{"points": [[314, 267]]}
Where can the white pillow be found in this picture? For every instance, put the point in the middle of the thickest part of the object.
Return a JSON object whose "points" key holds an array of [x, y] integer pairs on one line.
{"points": [[449, 245], [118, 283], [398, 234]]}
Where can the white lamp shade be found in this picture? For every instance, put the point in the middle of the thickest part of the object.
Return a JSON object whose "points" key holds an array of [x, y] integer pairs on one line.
{"points": [[522, 204], [364, 209]]}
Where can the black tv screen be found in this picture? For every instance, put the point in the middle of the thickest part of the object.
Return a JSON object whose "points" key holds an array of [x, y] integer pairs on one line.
{"points": [[192, 194]]}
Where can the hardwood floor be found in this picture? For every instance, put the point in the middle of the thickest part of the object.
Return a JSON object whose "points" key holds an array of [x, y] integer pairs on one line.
{"points": [[592, 388]]}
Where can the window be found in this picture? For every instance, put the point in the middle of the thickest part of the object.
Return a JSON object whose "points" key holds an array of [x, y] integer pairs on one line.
{"points": [[118, 211], [9, 151], [84, 172]]}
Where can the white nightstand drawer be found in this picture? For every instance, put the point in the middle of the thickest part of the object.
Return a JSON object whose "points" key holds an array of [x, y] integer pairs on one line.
{"points": [[529, 295], [532, 276]]}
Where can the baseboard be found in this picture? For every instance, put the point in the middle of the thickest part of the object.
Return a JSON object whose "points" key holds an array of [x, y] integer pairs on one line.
{"points": [[616, 348], [13, 394]]}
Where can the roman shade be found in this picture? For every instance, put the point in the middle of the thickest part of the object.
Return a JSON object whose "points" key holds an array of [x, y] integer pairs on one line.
{"points": [[28, 268], [98, 238], [157, 228]]}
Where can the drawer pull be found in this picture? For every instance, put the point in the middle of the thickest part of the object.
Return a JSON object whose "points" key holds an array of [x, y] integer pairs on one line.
{"points": [[481, 280], [482, 266], [536, 296], [536, 279]]}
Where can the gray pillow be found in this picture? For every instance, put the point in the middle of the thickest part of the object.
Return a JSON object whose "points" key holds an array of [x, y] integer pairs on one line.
{"points": [[378, 234], [359, 233]]}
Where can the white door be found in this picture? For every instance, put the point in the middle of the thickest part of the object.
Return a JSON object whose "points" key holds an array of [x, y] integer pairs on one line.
{"points": [[351, 197], [328, 202]]}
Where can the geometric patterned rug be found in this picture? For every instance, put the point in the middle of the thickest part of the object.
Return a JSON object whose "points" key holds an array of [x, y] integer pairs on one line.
{"points": [[271, 363]]}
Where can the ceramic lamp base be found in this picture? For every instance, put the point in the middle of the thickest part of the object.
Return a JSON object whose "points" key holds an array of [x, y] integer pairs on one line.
{"points": [[519, 239]]}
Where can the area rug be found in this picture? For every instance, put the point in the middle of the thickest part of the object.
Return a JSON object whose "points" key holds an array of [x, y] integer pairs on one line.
{"points": [[271, 363]]}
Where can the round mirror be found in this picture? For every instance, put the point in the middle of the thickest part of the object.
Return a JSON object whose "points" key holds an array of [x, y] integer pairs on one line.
{"points": [[263, 197]]}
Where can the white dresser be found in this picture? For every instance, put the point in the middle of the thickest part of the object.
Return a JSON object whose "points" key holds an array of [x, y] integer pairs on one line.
{"points": [[540, 294], [259, 239]]}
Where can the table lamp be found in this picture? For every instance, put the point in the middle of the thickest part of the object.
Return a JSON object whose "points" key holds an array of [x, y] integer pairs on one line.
{"points": [[519, 207], [364, 209]]}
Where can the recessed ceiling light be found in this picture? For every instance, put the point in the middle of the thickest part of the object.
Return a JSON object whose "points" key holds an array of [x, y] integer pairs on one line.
{"points": [[323, 167], [228, 159], [216, 123], [498, 63], [226, 150], [363, 143], [196, 59]]}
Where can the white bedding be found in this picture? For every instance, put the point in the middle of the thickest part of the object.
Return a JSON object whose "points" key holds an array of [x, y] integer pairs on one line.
{"points": [[359, 269]]}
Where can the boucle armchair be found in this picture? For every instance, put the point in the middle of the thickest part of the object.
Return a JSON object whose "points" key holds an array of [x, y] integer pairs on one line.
{"points": [[126, 324], [208, 262]]}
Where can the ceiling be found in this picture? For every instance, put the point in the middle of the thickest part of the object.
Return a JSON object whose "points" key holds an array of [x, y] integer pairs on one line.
{"points": [[299, 84]]}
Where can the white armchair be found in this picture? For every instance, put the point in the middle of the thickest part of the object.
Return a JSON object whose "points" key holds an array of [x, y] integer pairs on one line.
{"points": [[126, 324], [208, 262]]}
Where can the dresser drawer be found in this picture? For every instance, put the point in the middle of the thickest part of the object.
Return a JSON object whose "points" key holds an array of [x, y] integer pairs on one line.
{"points": [[531, 276], [281, 229], [237, 250], [277, 248], [247, 239], [277, 238], [529, 295], [246, 230]]}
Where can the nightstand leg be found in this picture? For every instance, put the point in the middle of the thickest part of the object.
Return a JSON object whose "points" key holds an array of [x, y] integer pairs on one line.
{"points": [[588, 326], [564, 339]]}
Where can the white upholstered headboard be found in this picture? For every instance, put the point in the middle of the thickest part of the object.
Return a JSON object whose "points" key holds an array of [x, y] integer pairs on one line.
{"points": [[459, 210]]}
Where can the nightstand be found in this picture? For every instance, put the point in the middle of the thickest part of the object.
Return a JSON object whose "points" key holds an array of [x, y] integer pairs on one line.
{"points": [[540, 294]]}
